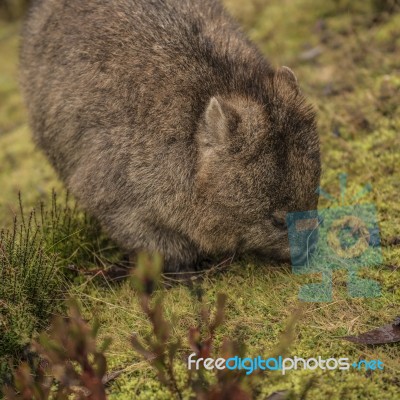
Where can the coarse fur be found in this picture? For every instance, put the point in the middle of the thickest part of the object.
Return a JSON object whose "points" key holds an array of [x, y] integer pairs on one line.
{"points": [[169, 126]]}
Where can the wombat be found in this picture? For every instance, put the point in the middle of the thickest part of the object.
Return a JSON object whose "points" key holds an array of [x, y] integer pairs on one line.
{"points": [[169, 126]]}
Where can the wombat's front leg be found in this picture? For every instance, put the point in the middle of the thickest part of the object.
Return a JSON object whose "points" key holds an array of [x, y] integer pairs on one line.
{"points": [[174, 265], [179, 253]]}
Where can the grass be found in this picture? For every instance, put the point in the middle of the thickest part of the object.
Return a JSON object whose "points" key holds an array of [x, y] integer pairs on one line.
{"points": [[346, 55]]}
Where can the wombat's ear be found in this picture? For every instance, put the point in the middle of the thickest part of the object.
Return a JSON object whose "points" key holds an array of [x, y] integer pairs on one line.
{"points": [[215, 116], [284, 75], [216, 123], [218, 129]]}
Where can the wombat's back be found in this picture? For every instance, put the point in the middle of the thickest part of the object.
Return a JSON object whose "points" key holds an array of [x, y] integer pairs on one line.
{"points": [[123, 64]]}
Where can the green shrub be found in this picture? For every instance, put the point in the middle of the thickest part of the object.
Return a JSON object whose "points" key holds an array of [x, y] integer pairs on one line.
{"points": [[30, 286], [36, 259]]}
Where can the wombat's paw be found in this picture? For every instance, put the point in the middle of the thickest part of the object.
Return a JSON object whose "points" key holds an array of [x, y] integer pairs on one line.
{"points": [[118, 272], [196, 272], [171, 279]]}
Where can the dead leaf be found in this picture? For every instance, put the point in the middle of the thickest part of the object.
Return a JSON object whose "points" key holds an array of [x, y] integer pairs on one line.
{"points": [[108, 378], [311, 54], [386, 334]]}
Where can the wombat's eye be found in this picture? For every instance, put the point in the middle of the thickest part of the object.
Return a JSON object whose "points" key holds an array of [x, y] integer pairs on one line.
{"points": [[278, 222]]}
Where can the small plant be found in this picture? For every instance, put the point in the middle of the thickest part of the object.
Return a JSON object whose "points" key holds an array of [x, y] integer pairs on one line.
{"points": [[30, 285], [35, 256], [29, 386], [161, 350], [71, 363]]}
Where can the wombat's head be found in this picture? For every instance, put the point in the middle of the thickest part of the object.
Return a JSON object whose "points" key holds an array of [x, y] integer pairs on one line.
{"points": [[257, 161]]}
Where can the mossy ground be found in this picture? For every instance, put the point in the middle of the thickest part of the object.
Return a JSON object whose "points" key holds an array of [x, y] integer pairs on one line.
{"points": [[347, 59]]}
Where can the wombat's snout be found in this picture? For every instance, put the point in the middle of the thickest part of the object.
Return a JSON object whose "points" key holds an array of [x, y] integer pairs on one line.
{"points": [[278, 255]]}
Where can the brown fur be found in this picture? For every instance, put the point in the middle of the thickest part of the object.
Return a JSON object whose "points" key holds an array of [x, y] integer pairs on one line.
{"points": [[169, 126]]}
